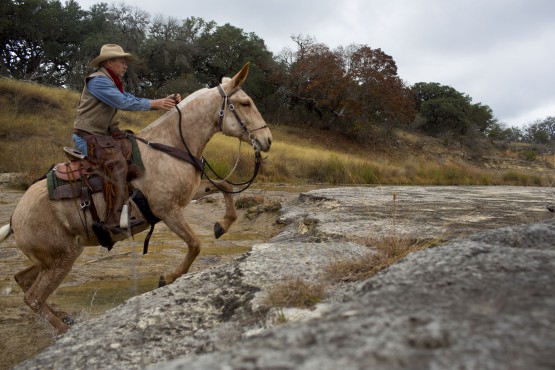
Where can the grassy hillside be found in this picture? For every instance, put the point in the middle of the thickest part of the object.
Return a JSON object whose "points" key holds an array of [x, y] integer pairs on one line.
{"points": [[36, 122]]}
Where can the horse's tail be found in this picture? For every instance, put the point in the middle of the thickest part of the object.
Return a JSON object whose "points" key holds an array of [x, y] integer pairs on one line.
{"points": [[5, 231]]}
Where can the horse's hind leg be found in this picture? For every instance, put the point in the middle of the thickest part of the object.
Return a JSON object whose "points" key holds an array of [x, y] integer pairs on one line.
{"points": [[50, 275], [25, 279], [176, 222]]}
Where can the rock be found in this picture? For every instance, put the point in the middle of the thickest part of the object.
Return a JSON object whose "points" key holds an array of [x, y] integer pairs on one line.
{"points": [[475, 303], [9, 177], [485, 301]]}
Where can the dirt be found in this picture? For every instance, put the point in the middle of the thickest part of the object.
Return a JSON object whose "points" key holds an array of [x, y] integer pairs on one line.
{"points": [[103, 279]]}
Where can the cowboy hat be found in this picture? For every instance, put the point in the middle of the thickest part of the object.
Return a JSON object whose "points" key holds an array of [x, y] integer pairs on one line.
{"points": [[110, 51]]}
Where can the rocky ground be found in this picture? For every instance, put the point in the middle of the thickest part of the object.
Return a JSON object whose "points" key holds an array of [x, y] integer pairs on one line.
{"points": [[103, 279], [481, 302]]}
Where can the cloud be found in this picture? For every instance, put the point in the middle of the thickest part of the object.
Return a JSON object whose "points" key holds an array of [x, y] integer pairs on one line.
{"points": [[499, 52]]}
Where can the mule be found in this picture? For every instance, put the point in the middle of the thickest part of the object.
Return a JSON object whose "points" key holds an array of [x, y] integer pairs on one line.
{"points": [[52, 234]]}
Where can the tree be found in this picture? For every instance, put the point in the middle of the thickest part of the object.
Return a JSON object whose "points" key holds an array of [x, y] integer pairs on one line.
{"points": [[165, 54], [549, 126], [316, 81], [348, 85], [445, 110], [128, 25], [425, 91], [481, 117], [540, 131], [32, 48], [223, 50], [94, 25], [445, 115], [380, 95]]}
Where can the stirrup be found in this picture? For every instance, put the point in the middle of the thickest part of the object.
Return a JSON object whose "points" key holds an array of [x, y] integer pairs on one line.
{"points": [[106, 234], [74, 154], [133, 224]]}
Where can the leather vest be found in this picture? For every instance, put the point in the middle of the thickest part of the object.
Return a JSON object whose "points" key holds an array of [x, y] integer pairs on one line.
{"points": [[93, 115]]}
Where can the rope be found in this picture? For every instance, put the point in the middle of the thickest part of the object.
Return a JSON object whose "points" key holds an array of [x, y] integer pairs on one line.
{"points": [[199, 164], [258, 161], [236, 163]]}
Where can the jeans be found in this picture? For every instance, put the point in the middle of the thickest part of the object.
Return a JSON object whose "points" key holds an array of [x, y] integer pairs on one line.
{"points": [[80, 144]]}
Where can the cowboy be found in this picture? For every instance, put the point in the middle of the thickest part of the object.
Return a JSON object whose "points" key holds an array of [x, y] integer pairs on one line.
{"points": [[97, 133]]}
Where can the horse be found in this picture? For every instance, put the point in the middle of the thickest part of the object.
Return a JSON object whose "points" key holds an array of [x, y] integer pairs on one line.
{"points": [[52, 234]]}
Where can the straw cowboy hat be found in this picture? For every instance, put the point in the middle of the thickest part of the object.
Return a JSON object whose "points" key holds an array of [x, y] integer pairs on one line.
{"points": [[110, 51]]}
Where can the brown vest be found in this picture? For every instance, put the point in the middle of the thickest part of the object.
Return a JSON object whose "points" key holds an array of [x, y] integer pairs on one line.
{"points": [[93, 115]]}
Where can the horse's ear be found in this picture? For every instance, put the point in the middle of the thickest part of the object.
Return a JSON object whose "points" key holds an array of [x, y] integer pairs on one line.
{"points": [[241, 76]]}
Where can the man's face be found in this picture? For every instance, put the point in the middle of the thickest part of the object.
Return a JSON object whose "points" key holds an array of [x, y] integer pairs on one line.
{"points": [[118, 65]]}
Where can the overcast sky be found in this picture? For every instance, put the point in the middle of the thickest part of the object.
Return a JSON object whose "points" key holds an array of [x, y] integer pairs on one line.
{"points": [[500, 52]]}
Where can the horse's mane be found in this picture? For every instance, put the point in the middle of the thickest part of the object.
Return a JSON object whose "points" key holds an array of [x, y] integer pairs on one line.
{"points": [[173, 112]]}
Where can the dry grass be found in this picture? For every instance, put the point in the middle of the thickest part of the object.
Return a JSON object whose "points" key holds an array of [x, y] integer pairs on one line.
{"points": [[34, 124], [299, 293], [291, 161], [295, 292], [382, 253], [258, 201], [248, 201], [36, 121]]}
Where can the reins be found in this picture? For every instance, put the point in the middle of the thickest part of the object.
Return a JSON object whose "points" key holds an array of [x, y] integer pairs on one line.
{"points": [[257, 156], [201, 163]]}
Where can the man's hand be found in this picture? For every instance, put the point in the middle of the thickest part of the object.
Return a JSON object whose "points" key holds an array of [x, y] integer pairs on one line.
{"points": [[175, 97], [165, 103]]}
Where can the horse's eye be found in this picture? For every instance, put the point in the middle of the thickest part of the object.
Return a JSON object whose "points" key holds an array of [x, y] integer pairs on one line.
{"points": [[245, 103]]}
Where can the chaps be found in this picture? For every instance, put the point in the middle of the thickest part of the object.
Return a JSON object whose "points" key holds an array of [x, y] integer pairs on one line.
{"points": [[107, 153]]}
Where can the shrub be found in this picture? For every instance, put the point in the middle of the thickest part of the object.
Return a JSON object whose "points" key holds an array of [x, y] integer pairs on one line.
{"points": [[384, 252], [529, 155], [295, 292], [248, 201]]}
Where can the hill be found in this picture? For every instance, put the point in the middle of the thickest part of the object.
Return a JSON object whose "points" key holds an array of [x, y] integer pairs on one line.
{"points": [[36, 121]]}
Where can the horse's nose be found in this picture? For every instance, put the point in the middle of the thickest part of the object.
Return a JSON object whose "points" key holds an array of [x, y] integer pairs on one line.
{"points": [[269, 142]]}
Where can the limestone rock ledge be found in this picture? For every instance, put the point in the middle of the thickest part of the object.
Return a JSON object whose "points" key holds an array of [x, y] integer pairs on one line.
{"points": [[485, 301]]}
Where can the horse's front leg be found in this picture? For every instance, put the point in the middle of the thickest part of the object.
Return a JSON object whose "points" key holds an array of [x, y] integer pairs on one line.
{"points": [[205, 188], [175, 220]]}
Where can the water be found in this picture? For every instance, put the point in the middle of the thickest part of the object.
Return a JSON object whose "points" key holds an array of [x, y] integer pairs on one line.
{"points": [[102, 279]]}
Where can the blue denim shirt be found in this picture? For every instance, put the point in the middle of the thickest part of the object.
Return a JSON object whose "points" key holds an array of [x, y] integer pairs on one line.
{"points": [[104, 90]]}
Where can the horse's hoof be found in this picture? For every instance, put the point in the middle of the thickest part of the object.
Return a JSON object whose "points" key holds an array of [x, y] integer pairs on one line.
{"points": [[161, 282], [218, 230], [68, 320]]}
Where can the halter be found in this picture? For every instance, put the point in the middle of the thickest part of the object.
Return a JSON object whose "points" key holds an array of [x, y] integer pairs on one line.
{"points": [[188, 156], [226, 102], [252, 138]]}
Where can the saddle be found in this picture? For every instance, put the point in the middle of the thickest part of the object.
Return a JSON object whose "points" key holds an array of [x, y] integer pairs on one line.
{"points": [[80, 178], [69, 180], [77, 166]]}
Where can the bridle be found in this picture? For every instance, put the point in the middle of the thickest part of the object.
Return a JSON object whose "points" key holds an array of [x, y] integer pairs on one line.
{"points": [[257, 156], [199, 164], [226, 102]]}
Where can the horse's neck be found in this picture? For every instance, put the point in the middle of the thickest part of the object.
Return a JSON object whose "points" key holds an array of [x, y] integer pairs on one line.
{"points": [[197, 122]]}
